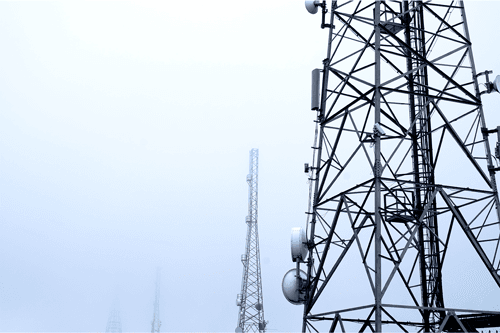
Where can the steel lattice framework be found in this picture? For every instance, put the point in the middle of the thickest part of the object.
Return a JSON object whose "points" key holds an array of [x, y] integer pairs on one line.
{"points": [[250, 301], [402, 165]]}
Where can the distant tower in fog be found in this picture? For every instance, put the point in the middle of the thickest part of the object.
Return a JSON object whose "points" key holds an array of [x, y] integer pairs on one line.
{"points": [[250, 301], [114, 322], [156, 323]]}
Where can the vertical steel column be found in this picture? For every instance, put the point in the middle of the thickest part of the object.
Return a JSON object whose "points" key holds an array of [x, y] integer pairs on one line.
{"points": [[377, 173]]}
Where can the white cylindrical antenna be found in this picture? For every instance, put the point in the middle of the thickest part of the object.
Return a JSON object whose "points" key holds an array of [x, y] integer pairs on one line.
{"points": [[378, 129]]}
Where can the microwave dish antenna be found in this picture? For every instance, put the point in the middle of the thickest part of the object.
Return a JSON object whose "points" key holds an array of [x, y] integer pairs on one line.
{"points": [[496, 84], [312, 6], [292, 286], [299, 245]]}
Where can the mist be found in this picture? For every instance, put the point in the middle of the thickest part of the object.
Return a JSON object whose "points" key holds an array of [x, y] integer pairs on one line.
{"points": [[125, 128]]}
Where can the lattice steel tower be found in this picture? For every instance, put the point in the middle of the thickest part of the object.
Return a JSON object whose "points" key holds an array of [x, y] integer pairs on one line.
{"points": [[114, 324], [402, 170], [156, 323], [250, 301]]}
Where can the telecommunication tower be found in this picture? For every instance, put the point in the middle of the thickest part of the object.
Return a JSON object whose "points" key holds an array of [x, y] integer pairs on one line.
{"points": [[402, 170], [114, 324], [156, 323], [250, 301]]}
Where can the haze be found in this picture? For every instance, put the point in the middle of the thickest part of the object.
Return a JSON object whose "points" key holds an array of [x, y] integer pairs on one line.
{"points": [[125, 129]]}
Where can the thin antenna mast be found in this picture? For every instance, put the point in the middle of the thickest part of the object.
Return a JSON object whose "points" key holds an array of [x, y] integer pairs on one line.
{"points": [[156, 323], [250, 301]]}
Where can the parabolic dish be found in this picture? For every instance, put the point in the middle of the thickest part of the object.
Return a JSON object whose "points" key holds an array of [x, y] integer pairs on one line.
{"points": [[311, 6], [496, 83], [291, 285], [298, 243], [238, 330]]}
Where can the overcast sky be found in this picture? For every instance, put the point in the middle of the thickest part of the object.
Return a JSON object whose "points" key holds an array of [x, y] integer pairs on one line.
{"points": [[125, 129]]}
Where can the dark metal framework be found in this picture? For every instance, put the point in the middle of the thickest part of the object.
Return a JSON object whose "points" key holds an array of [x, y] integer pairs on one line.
{"points": [[402, 166], [250, 301]]}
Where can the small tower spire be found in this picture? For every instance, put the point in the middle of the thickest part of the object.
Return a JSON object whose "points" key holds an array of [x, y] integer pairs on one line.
{"points": [[250, 301], [156, 323]]}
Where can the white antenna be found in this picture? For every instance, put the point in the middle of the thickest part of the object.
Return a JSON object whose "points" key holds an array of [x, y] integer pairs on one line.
{"points": [[292, 284], [490, 86], [293, 281], [312, 6], [299, 245], [496, 84]]}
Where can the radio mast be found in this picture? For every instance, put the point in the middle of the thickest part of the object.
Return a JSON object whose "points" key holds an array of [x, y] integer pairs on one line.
{"points": [[250, 301], [156, 323], [401, 159], [114, 324]]}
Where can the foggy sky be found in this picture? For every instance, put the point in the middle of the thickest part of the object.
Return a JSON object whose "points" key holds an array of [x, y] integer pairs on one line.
{"points": [[125, 129]]}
